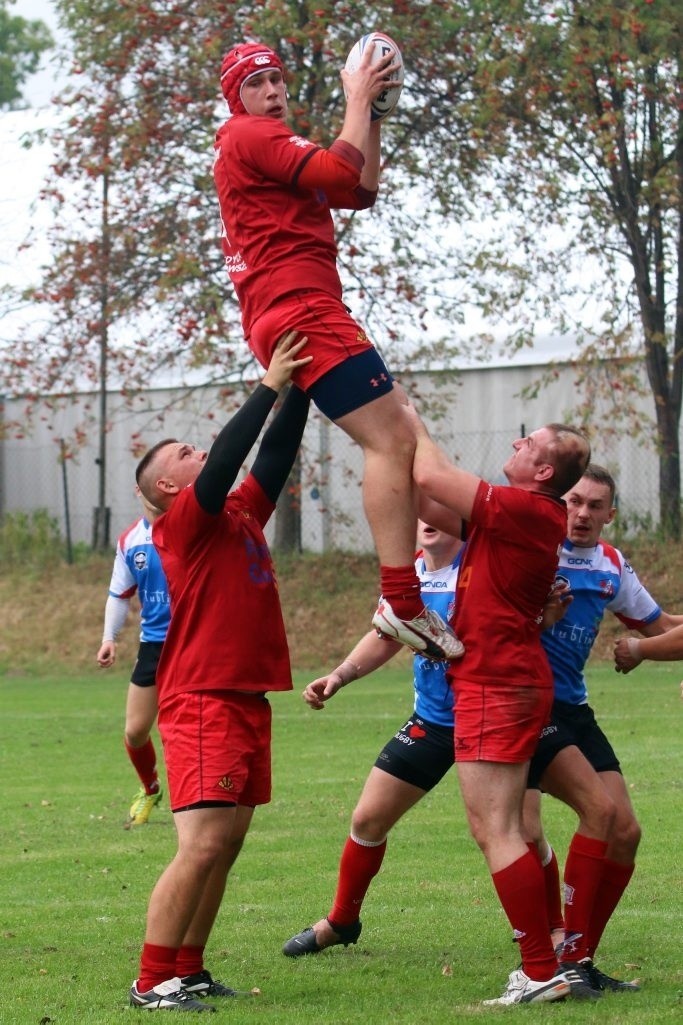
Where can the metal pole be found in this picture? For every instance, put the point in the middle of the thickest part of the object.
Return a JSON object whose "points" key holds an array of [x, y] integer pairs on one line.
{"points": [[102, 526], [67, 514], [324, 487]]}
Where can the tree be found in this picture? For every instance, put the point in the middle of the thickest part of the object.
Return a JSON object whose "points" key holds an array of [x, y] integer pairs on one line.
{"points": [[130, 288], [534, 142], [136, 259], [22, 43], [586, 99]]}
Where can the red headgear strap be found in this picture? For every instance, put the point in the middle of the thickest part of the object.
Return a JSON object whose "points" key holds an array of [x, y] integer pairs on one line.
{"points": [[241, 63]]}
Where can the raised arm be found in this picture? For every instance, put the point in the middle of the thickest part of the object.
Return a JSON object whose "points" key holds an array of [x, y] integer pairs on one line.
{"points": [[280, 444], [358, 147], [361, 88], [440, 482], [235, 441]]}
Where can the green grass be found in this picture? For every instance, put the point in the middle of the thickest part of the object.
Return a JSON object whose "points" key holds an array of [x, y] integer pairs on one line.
{"points": [[74, 884]]}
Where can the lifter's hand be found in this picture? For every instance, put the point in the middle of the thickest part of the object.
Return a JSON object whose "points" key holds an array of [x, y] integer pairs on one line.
{"points": [[418, 424], [285, 360]]}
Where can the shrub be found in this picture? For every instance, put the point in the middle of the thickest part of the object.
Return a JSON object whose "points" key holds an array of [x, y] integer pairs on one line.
{"points": [[30, 539]]}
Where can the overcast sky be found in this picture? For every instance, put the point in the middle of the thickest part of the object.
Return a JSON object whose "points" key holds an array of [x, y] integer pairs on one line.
{"points": [[23, 171], [41, 86]]}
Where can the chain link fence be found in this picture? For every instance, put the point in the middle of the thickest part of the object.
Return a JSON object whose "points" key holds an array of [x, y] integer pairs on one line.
{"points": [[475, 415]]}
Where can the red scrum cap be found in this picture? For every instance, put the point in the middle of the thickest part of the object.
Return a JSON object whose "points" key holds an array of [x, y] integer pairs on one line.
{"points": [[241, 63]]}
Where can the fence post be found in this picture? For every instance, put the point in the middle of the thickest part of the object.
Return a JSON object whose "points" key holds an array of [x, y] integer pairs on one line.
{"points": [[67, 513]]}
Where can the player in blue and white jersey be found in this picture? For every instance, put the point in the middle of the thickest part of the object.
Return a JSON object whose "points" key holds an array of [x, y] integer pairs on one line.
{"points": [[137, 567], [574, 760], [415, 759]]}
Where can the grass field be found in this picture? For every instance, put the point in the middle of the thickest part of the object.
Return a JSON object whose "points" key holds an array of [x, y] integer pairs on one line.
{"points": [[74, 884]]}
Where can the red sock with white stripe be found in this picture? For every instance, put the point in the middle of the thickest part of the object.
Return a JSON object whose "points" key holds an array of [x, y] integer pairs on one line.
{"points": [[553, 895], [360, 862]]}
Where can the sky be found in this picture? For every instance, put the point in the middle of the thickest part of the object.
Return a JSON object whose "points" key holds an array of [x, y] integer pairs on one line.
{"points": [[22, 170], [40, 87]]}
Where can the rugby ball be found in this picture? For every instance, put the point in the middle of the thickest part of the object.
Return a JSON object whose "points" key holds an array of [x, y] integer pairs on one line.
{"points": [[382, 45]]}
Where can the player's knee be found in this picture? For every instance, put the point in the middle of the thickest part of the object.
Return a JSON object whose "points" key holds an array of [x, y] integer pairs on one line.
{"points": [[137, 734], [481, 834], [206, 850], [233, 849], [366, 825], [392, 442], [599, 815], [626, 833]]}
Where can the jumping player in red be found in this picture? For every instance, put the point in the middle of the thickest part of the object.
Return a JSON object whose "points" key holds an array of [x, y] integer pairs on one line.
{"points": [[215, 669], [503, 685], [276, 190]]}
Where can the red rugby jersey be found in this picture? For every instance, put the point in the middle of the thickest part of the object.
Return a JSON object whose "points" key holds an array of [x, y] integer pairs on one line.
{"points": [[277, 237], [513, 543], [226, 630]]}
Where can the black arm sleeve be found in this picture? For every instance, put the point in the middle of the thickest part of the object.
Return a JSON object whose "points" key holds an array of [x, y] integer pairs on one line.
{"points": [[280, 444], [231, 448]]}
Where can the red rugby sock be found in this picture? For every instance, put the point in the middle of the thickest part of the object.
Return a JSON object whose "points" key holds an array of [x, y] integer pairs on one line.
{"points": [[615, 879], [157, 964], [144, 761], [521, 891], [189, 961], [583, 873], [358, 866], [553, 896], [401, 588]]}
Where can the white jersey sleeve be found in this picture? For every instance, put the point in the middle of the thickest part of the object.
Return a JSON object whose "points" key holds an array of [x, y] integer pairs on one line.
{"points": [[633, 604], [122, 584], [115, 615]]}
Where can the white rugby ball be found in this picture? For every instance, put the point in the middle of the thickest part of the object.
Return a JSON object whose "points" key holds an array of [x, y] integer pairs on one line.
{"points": [[382, 45]]}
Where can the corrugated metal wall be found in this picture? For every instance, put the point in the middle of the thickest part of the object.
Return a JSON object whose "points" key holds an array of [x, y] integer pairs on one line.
{"points": [[479, 413]]}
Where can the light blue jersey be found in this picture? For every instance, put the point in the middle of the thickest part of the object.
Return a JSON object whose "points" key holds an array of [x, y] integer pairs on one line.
{"points": [[137, 567], [433, 695], [599, 579]]}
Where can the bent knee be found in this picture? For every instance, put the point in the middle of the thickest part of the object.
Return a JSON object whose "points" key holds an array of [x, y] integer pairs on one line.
{"points": [[626, 834], [481, 836], [599, 818]]}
